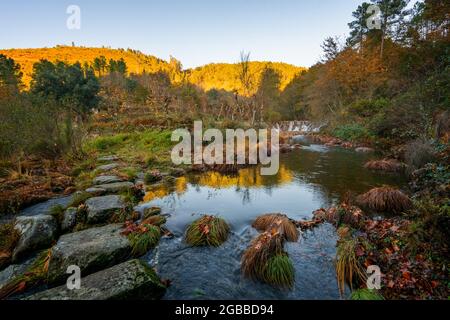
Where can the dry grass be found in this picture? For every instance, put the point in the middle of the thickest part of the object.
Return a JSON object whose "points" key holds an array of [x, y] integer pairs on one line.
{"points": [[280, 222], [385, 199], [207, 231], [8, 240], [348, 268], [155, 220], [388, 165], [261, 249]]}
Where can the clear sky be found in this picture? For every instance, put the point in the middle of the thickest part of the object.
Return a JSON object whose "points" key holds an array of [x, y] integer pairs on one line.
{"points": [[194, 31]]}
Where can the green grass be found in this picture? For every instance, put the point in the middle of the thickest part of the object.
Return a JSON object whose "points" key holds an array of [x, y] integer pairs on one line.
{"points": [[141, 243], [207, 231], [366, 294], [279, 271], [78, 199], [135, 147], [57, 212]]}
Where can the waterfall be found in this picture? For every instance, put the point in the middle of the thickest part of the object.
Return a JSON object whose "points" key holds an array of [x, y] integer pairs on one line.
{"points": [[298, 126]]}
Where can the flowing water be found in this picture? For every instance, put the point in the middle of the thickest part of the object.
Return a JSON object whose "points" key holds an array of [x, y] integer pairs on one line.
{"points": [[308, 179]]}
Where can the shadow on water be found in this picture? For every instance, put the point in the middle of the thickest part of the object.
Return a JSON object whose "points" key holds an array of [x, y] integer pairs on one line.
{"points": [[308, 179]]}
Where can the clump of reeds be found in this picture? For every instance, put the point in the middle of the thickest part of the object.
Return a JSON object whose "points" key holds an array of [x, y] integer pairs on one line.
{"points": [[385, 199], [388, 165], [279, 271], [265, 259], [348, 268], [261, 249], [207, 231], [142, 237], [278, 221]]}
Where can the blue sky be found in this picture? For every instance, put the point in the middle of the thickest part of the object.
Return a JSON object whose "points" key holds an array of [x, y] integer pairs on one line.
{"points": [[194, 31]]}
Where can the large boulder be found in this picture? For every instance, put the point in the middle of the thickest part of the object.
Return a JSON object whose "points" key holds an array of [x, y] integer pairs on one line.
{"points": [[100, 209], [106, 179], [133, 279], [36, 232], [91, 250]]}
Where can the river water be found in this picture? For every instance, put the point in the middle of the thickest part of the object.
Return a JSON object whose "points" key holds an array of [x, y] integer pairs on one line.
{"points": [[313, 177]]}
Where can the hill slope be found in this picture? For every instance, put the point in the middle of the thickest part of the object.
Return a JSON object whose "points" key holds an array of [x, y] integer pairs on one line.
{"points": [[217, 75]]}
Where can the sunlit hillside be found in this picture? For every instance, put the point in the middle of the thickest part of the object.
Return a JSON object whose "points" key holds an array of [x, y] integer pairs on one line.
{"points": [[218, 76], [226, 76], [136, 61]]}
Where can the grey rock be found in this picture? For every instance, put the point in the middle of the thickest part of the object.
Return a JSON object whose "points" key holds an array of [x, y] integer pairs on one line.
{"points": [[108, 167], [15, 270], [133, 279], [108, 158], [116, 187], [91, 250], [364, 150], [106, 179], [100, 209], [96, 191], [36, 232], [69, 220]]}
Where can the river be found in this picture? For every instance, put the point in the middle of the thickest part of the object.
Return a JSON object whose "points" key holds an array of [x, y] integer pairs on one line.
{"points": [[310, 178]]}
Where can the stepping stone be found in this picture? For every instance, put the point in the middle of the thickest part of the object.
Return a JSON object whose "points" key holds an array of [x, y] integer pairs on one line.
{"points": [[108, 158], [91, 250], [15, 270], [364, 150], [106, 179], [96, 191], [116, 187], [69, 220], [133, 279], [108, 167], [100, 209], [36, 232]]}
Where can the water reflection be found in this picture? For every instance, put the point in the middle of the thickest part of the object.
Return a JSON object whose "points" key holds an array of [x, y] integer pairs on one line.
{"points": [[310, 178]]}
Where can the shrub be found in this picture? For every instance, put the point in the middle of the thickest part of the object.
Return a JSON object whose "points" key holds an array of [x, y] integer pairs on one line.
{"points": [[368, 108], [419, 153], [207, 231], [385, 199], [351, 132]]}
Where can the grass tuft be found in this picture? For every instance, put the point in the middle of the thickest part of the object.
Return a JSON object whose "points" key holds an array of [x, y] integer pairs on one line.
{"points": [[144, 239], [279, 271], [366, 294], [388, 165], [207, 231], [385, 199], [348, 268], [280, 222]]}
